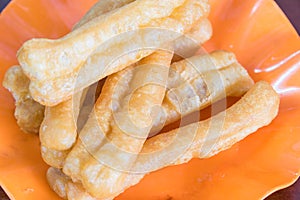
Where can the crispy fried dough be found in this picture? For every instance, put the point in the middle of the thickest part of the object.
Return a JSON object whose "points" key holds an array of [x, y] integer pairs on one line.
{"points": [[256, 109], [79, 52], [29, 113], [219, 64], [131, 124]]}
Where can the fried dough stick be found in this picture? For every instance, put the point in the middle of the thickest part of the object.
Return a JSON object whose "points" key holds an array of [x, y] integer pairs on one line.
{"points": [[257, 108], [217, 64], [198, 140], [240, 83], [198, 81], [58, 130], [56, 157], [72, 168], [98, 123], [182, 74], [132, 122], [182, 99], [29, 113], [61, 136], [81, 52]]}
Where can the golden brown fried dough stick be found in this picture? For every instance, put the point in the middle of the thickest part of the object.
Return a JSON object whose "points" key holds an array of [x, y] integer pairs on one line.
{"points": [[183, 99], [256, 109], [184, 19], [57, 137], [68, 56], [188, 8], [196, 82], [98, 123], [131, 124], [53, 133], [219, 64], [29, 113]]}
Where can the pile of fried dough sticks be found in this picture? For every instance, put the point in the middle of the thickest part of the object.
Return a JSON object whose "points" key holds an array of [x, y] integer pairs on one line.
{"points": [[131, 43]]}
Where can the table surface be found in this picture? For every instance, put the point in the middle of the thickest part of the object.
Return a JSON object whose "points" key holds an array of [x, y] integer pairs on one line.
{"points": [[291, 9]]}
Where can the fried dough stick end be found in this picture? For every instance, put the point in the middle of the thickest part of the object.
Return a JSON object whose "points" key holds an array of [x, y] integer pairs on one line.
{"points": [[28, 112], [64, 187]]}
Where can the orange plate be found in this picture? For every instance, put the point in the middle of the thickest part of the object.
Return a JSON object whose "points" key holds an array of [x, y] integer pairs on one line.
{"points": [[265, 43]]}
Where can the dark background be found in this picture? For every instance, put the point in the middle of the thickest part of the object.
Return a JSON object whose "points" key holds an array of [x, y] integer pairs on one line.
{"points": [[292, 9]]}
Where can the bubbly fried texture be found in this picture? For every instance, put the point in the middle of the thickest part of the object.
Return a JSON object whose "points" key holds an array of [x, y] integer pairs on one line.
{"points": [[202, 139], [29, 113], [53, 65]]}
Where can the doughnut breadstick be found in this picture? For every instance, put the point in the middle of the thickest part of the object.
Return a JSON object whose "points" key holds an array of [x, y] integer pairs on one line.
{"points": [[256, 109], [181, 73], [185, 13], [56, 136], [103, 168], [29, 113], [89, 46], [97, 125], [131, 124], [204, 79]]}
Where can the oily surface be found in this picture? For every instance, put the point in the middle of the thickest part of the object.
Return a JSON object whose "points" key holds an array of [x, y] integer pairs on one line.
{"points": [[265, 161]]}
